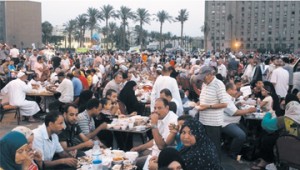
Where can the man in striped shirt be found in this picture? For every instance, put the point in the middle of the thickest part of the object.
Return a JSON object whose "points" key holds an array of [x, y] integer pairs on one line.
{"points": [[213, 101]]}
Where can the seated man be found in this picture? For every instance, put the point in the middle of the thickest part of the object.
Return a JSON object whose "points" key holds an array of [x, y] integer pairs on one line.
{"points": [[166, 94], [16, 91], [64, 92], [231, 119], [69, 138], [161, 118], [46, 141], [86, 119]]}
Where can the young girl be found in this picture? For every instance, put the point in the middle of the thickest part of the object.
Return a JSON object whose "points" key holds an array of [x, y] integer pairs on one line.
{"points": [[105, 115], [266, 104]]}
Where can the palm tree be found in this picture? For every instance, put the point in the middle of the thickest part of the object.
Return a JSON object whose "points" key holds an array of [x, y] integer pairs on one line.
{"points": [[124, 14], [82, 21], [205, 29], [182, 17], [107, 12], [229, 18], [162, 16], [92, 14], [70, 28], [143, 17], [112, 27], [47, 31]]}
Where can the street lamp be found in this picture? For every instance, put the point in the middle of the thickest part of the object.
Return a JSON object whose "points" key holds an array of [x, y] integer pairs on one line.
{"points": [[237, 45]]}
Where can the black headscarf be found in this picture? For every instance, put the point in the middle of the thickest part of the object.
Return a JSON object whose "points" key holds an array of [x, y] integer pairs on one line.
{"points": [[167, 156], [127, 96], [203, 154]]}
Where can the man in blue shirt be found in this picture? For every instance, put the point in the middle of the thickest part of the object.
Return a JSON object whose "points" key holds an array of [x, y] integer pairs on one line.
{"points": [[76, 84]]}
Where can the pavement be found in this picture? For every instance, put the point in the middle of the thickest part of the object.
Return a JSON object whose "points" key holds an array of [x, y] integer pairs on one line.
{"points": [[9, 122]]}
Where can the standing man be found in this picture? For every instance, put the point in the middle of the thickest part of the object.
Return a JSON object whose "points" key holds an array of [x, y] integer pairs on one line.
{"points": [[16, 90], [165, 81], [280, 79], [46, 140], [213, 100], [14, 53]]}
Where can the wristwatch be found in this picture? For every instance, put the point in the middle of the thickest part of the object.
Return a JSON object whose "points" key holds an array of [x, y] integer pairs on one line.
{"points": [[153, 126]]}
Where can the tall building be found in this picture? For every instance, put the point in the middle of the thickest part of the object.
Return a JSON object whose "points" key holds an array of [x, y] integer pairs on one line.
{"points": [[20, 23], [252, 25]]}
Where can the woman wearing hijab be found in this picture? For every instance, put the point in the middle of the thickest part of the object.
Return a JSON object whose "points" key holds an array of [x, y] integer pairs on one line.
{"points": [[127, 96], [168, 158], [198, 150], [13, 151], [33, 158], [275, 126]]}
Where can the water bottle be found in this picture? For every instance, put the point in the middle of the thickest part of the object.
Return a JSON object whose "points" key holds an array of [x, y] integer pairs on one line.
{"points": [[97, 162], [258, 105]]}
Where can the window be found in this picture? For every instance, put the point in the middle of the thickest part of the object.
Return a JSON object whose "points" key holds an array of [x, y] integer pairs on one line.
{"points": [[248, 46], [255, 39], [263, 39]]}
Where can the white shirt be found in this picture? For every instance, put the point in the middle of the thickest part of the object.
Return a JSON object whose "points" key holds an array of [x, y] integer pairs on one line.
{"points": [[163, 129], [165, 82], [222, 70], [14, 53], [42, 142], [66, 90], [65, 63], [280, 77], [212, 93], [229, 111]]}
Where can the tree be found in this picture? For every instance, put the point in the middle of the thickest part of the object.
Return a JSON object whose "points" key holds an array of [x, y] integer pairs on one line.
{"points": [[143, 17], [46, 31], [70, 28], [205, 29], [112, 27], [107, 12], [162, 16], [229, 18], [124, 14], [92, 14], [182, 17], [82, 22]]}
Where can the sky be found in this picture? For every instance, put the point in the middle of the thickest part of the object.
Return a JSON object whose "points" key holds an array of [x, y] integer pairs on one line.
{"points": [[58, 12]]}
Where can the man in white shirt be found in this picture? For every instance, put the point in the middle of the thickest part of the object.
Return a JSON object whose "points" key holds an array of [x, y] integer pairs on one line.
{"points": [[33, 59], [165, 81], [46, 141], [161, 118], [65, 62], [65, 91], [280, 79], [231, 118], [222, 68], [14, 53], [16, 91], [212, 101]]}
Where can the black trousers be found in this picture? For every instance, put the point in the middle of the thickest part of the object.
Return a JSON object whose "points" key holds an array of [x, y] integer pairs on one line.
{"points": [[214, 133]]}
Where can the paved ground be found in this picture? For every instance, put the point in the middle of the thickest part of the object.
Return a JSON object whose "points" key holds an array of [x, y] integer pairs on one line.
{"points": [[9, 122]]}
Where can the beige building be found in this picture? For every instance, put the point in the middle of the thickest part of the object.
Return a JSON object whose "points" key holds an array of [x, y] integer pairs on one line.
{"points": [[251, 25], [20, 23]]}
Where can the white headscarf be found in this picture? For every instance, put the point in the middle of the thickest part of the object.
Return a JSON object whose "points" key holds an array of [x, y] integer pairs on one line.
{"points": [[292, 110], [24, 130]]}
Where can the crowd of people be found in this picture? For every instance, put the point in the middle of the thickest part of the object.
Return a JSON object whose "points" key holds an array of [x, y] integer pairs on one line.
{"points": [[194, 101]]}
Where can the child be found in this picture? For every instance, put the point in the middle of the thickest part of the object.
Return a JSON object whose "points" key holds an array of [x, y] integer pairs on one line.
{"points": [[105, 136]]}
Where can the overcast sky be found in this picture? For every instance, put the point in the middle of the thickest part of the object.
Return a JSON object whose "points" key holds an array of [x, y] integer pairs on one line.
{"points": [[57, 12]]}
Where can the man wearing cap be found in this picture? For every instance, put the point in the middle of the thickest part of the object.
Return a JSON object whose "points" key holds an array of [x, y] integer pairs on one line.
{"points": [[64, 92], [16, 91], [213, 100]]}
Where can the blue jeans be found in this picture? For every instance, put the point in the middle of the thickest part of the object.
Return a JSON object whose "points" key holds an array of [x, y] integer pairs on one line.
{"points": [[239, 137]]}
